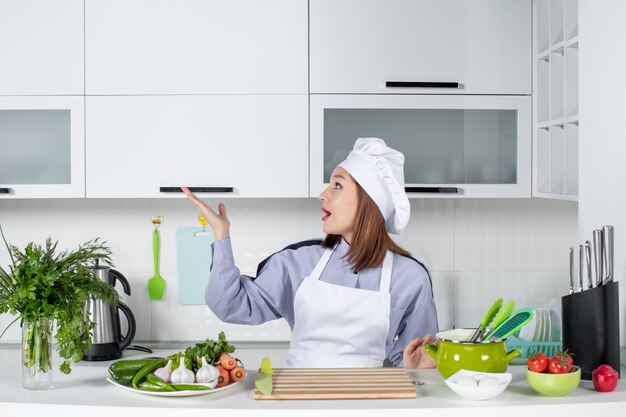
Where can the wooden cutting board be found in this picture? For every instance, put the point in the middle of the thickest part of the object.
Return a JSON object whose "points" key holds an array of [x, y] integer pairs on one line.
{"points": [[339, 384]]}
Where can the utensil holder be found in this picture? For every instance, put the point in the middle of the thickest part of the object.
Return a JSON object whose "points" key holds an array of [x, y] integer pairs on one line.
{"points": [[591, 327]]}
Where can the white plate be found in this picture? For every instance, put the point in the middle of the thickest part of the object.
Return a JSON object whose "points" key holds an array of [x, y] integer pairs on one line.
{"points": [[545, 328], [547, 337], [176, 393], [541, 325], [555, 320], [538, 325]]}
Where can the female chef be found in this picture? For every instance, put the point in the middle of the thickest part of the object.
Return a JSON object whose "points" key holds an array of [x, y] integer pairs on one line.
{"points": [[355, 298]]}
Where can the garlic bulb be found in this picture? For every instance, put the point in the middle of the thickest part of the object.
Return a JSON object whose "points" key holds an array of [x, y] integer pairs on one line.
{"points": [[207, 373], [165, 373], [182, 375]]}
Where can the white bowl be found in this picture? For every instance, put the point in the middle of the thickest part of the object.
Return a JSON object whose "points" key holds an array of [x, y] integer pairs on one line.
{"points": [[478, 392]]}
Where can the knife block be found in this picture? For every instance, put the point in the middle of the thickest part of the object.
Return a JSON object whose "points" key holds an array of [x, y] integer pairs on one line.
{"points": [[590, 323]]}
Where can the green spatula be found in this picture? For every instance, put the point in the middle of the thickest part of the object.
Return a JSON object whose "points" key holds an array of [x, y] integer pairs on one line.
{"points": [[511, 325], [156, 284], [487, 318], [504, 314]]}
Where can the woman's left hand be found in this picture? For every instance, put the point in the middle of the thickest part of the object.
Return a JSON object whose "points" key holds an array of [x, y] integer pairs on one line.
{"points": [[415, 356]]}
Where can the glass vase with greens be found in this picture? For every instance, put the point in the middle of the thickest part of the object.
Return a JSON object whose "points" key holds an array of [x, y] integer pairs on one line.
{"points": [[47, 290]]}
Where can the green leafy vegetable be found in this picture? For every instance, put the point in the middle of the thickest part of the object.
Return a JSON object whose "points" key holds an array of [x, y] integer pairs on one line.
{"points": [[210, 349], [43, 284]]}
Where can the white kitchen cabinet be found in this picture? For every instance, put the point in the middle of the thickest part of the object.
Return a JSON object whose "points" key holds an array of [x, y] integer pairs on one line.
{"points": [[454, 146], [357, 46], [257, 145], [196, 47], [555, 119], [41, 47], [42, 147]]}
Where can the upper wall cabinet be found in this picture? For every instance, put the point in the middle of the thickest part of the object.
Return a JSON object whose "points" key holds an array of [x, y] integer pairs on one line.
{"points": [[42, 147], [41, 47], [225, 145], [196, 47], [455, 146], [555, 160], [423, 46]]}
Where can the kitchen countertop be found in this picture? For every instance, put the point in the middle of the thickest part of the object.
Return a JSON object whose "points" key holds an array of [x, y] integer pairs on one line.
{"points": [[86, 391]]}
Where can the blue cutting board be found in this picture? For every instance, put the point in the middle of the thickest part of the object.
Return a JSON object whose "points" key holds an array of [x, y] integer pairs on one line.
{"points": [[194, 264]]}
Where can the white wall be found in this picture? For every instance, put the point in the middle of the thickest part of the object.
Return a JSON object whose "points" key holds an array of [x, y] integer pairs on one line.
{"points": [[477, 250], [602, 160]]}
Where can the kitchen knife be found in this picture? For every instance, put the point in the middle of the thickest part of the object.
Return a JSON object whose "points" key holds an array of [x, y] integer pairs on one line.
{"points": [[581, 270], [597, 253], [607, 239], [571, 270], [588, 259]]}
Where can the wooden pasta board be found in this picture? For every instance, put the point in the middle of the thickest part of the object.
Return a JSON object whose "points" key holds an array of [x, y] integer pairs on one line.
{"points": [[339, 384]]}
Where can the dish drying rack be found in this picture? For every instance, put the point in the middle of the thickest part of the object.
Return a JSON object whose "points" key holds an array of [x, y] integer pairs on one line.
{"points": [[528, 348]]}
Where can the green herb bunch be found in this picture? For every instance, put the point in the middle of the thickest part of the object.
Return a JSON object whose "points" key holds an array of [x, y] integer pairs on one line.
{"points": [[41, 284], [209, 349]]}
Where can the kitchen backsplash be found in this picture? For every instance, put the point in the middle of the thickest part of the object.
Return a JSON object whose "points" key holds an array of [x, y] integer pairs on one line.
{"points": [[476, 250]]}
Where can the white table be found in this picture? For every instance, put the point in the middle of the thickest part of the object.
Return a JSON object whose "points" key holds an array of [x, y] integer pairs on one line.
{"points": [[86, 392]]}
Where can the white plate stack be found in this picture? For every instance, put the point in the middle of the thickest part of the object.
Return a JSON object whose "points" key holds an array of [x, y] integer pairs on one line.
{"points": [[545, 326]]}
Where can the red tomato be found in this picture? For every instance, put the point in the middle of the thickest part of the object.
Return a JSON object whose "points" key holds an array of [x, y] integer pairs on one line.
{"points": [[538, 362], [605, 378], [561, 363]]}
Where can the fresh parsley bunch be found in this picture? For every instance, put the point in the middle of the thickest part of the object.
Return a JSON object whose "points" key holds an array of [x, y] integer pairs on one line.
{"points": [[43, 284], [210, 349]]}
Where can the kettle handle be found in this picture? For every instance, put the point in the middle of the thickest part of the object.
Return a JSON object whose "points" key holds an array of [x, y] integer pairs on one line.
{"points": [[116, 275], [132, 326]]}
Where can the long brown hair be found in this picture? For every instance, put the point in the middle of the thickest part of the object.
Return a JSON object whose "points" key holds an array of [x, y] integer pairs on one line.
{"points": [[370, 240]]}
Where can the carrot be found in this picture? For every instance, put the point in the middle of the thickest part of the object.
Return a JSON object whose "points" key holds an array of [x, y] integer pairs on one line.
{"points": [[227, 361], [237, 374], [224, 378]]}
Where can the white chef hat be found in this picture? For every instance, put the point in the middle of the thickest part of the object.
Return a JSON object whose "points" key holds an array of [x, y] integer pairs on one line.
{"points": [[379, 170]]}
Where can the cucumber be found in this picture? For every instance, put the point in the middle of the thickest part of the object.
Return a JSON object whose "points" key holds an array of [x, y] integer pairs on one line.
{"points": [[129, 365], [189, 387], [122, 378]]}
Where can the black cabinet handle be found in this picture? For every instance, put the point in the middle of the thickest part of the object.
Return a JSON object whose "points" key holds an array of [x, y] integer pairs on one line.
{"points": [[423, 84], [6, 190], [198, 189], [446, 190]]}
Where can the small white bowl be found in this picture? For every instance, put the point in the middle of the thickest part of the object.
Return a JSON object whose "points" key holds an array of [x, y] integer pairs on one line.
{"points": [[478, 392]]}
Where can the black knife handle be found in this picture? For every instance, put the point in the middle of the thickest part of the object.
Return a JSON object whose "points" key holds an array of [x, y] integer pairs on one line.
{"points": [[6, 190], [198, 189], [423, 84], [443, 190]]}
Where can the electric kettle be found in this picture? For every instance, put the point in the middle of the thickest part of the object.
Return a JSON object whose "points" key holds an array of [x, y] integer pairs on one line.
{"points": [[107, 340]]}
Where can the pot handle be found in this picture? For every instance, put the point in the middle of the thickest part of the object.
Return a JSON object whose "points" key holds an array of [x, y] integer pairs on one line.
{"points": [[512, 355], [132, 326], [431, 349]]}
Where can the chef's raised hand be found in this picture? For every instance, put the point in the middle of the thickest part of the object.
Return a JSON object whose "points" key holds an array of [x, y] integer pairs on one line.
{"points": [[218, 221], [415, 356]]}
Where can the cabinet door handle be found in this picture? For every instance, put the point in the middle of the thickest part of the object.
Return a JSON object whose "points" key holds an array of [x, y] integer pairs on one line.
{"points": [[198, 189], [447, 190], [6, 190], [423, 84]]}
